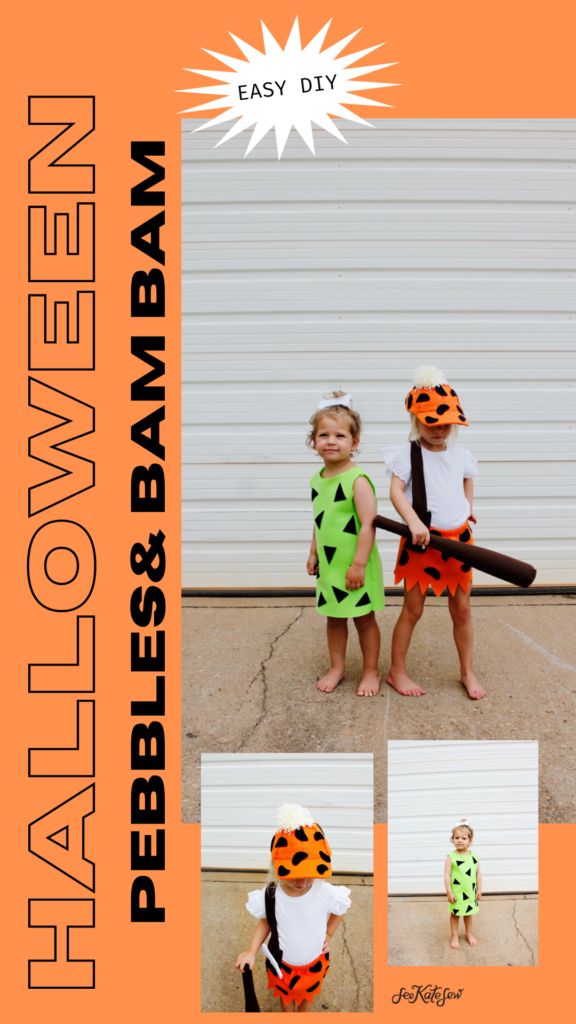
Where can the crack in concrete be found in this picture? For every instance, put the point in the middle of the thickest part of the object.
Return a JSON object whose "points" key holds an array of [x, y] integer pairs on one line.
{"points": [[352, 967], [261, 676], [521, 935]]}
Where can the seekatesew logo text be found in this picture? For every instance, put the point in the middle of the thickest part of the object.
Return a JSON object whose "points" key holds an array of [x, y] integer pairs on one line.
{"points": [[427, 994]]}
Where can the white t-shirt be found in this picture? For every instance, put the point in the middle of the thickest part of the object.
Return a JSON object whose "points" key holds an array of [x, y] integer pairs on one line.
{"points": [[302, 920], [444, 475]]}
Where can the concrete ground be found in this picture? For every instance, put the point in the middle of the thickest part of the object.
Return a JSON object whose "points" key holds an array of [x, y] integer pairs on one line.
{"points": [[249, 667], [506, 928], [227, 929]]}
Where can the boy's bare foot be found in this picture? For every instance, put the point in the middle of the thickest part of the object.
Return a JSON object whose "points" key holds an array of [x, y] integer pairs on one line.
{"points": [[454, 944], [369, 684], [401, 682], [330, 681], [472, 941], [473, 686]]}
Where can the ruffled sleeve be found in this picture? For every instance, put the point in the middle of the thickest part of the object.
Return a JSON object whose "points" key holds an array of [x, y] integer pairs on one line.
{"points": [[397, 461], [470, 467], [255, 904], [340, 899]]}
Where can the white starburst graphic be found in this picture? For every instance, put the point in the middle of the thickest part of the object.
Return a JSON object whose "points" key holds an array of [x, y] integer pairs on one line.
{"points": [[291, 87]]}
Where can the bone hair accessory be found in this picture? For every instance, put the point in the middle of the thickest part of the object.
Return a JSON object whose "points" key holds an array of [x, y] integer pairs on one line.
{"points": [[327, 403]]}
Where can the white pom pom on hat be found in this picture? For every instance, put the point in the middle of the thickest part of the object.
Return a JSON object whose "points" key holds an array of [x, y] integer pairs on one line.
{"points": [[292, 816], [428, 376]]}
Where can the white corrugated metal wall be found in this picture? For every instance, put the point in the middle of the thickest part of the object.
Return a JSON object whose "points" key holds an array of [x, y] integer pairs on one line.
{"points": [[439, 241], [241, 794], [432, 785]]}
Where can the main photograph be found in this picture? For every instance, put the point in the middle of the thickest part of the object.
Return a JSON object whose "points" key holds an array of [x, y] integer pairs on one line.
{"points": [[405, 296]]}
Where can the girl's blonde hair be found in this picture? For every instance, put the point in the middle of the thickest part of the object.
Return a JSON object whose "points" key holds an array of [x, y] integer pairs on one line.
{"points": [[336, 411], [458, 828]]}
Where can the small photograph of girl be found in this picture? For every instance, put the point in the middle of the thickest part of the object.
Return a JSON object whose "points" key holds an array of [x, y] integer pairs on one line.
{"points": [[289, 884], [343, 554], [463, 887], [432, 489]]}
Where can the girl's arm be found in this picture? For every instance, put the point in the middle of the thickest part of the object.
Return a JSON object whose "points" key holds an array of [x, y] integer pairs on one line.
{"points": [[469, 492], [312, 563], [333, 923], [365, 505], [261, 933], [478, 883], [447, 880], [418, 529]]}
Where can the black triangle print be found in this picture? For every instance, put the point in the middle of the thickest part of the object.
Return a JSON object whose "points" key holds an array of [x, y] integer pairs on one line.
{"points": [[465, 896], [469, 872], [469, 907], [329, 552], [456, 882], [365, 599], [314, 494], [339, 496], [474, 859], [340, 595], [350, 526], [459, 862], [318, 519], [321, 600]]}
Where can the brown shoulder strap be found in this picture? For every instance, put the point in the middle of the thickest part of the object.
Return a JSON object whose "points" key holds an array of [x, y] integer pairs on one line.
{"points": [[419, 499]]}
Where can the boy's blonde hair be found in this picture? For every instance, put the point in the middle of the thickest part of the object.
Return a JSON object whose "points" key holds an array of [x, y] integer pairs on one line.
{"points": [[458, 828], [415, 434], [335, 411]]}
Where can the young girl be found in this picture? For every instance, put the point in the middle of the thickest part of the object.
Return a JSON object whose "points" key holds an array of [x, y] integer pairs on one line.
{"points": [[448, 474], [343, 555], [463, 883], [299, 910]]}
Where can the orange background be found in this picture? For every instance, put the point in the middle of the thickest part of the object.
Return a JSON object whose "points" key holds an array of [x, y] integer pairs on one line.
{"points": [[456, 60]]}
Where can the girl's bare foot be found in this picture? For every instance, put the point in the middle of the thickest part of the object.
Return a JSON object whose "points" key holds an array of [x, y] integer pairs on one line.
{"points": [[473, 687], [369, 684], [454, 944], [472, 941], [401, 682], [330, 681]]}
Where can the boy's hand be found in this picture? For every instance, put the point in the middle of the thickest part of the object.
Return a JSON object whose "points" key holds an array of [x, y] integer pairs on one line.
{"points": [[312, 564], [245, 959], [451, 897], [420, 533], [355, 576]]}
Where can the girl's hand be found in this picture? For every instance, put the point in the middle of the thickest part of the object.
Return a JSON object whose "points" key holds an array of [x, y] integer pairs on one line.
{"points": [[326, 946], [245, 959], [451, 897], [420, 534], [355, 576], [312, 564]]}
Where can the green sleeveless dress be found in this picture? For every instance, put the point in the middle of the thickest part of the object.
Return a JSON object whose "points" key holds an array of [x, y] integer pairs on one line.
{"points": [[463, 883], [336, 526]]}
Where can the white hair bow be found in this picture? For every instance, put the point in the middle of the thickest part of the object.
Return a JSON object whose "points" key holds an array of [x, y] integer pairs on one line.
{"points": [[345, 400]]}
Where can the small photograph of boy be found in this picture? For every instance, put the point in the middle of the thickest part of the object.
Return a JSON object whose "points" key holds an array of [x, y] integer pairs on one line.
{"points": [[287, 861], [463, 853]]}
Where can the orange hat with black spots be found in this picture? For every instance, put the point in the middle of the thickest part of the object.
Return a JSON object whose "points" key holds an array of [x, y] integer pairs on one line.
{"points": [[299, 847], [432, 400]]}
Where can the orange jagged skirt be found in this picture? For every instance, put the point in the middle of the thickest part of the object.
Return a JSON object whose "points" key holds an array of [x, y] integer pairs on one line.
{"points": [[431, 568], [299, 984]]}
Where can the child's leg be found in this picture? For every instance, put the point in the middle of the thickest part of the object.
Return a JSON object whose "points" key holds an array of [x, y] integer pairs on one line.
{"points": [[454, 921], [411, 612], [468, 921], [459, 605], [288, 1007], [304, 1007], [369, 637], [337, 636]]}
